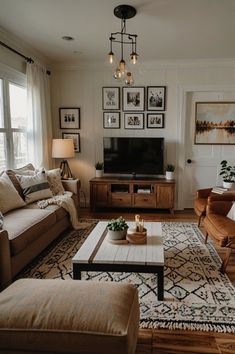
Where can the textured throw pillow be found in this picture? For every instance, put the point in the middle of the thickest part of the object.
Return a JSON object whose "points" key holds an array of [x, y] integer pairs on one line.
{"points": [[9, 197], [1, 221], [54, 180], [35, 187], [27, 170]]}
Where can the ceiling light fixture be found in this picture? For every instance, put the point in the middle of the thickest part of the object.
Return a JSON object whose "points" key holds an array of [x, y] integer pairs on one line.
{"points": [[122, 72], [67, 38]]}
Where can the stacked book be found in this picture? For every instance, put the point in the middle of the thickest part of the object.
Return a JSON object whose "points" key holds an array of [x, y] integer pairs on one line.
{"points": [[219, 190], [143, 190]]}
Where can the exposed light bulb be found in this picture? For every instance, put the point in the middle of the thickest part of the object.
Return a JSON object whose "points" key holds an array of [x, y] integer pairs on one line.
{"points": [[110, 57], [122, 66], [134, 57], [129, 79], [117, 74]]}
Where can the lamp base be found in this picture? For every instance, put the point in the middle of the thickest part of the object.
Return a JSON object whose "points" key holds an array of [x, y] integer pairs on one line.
{"points": [[65, 170]]}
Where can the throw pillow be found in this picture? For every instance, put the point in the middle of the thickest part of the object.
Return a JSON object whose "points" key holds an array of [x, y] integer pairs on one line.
{"points": [[35, 187], [1, 221], [54, 180], [9, 197], [25, 170]]}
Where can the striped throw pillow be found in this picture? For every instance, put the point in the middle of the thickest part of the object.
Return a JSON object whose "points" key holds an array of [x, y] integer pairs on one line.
{"points": [[35, 187]]}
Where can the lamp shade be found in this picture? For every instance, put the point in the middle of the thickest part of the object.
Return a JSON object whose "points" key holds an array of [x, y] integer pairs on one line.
{"points": [[62, 148]]}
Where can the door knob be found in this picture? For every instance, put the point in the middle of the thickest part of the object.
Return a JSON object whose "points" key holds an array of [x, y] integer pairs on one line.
{"points": [[189, 161]]}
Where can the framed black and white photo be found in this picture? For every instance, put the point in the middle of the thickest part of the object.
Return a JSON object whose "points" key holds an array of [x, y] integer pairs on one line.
{"points": [[69, 118], [134, 120], [133, 98], [155, 120], [156, 98], [111, 120], [111, 98], [76, 140]]}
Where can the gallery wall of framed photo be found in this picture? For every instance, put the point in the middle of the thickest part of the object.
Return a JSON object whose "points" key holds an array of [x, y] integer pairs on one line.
{"points": [[70, 121], [140, 107]]}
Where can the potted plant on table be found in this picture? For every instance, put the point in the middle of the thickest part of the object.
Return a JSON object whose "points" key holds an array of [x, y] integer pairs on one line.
{"points": [[117, 229], [228, 175], [170, 171], [99, 169]]}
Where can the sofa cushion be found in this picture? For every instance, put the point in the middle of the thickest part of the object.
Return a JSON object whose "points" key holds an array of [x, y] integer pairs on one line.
{"points": [[26, 225], [58, 210], [9, 197], [54, 180], [69, 316], [25, 170], [35, 187]]}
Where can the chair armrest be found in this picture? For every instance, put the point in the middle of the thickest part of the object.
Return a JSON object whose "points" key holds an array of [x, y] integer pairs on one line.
{"points": [[5, 260], [203, 193], [219, 207], [221, 197], [71, 185]]}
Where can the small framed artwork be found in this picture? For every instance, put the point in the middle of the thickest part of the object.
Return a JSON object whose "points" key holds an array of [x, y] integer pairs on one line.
{"points": [[76, 140], [111, 120], [133, 98], [134, 120], [111, 98], [156, 98], [215, 123], [69, 118], [155, 120]]}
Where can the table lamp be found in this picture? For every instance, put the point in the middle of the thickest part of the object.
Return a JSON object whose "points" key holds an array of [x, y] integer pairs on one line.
{"points": [[63, 149]]}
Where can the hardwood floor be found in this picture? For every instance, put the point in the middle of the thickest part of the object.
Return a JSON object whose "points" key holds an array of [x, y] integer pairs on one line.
{"points": [[164, 341]]}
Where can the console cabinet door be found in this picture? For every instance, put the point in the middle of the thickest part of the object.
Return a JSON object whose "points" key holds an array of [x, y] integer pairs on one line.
{"points": [[99, 195], [165, 197]]}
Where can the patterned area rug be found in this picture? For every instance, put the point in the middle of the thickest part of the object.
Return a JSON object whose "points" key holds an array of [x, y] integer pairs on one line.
{"points": [[197, 296]]}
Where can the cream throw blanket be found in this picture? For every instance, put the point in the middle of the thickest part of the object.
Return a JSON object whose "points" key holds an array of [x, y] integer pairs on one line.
{"points": [[66, 202]]}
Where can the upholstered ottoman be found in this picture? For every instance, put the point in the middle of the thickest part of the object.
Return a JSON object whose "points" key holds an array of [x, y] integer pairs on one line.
{"points": [[68, 316]]}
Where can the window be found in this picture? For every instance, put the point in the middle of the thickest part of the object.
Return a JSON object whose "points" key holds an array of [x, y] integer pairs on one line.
{"points": [[13, 124]]}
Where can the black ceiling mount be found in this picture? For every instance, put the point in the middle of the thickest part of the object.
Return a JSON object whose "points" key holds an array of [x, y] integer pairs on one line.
{"points": [[124, 11]]}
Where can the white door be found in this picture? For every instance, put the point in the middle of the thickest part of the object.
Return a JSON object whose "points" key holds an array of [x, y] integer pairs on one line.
{"points": [[202, 162]]}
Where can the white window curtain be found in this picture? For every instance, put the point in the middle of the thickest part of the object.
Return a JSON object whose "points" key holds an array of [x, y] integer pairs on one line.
{"points": [[39, 129]]}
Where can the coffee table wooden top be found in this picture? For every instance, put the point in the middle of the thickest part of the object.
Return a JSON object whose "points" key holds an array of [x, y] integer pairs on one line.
{"points": [[97, 248]]}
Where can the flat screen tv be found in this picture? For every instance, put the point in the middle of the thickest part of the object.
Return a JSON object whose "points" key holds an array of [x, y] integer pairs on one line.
{"points": [[142, 156]]}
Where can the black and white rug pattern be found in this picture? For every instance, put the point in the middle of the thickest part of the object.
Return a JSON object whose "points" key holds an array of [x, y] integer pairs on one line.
{"points": [[197, 296]]}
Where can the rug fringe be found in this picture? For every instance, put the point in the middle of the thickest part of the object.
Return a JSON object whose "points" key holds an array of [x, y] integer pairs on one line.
{"points": [[206, 327]]}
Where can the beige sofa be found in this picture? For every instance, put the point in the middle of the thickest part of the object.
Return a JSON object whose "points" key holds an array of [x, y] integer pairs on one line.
{"points": [[27, 231]]}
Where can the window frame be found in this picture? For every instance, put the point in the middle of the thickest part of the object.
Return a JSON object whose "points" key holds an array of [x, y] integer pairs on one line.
{"points": [[10, 76]]}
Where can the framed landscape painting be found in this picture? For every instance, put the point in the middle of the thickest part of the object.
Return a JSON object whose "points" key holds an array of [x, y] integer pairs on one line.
{"points": [[215, 123], [133, 98], [156, 98], [111, 98]]}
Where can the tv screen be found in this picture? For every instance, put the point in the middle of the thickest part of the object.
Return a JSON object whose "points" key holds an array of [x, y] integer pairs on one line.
{"points": [[143, 156]]}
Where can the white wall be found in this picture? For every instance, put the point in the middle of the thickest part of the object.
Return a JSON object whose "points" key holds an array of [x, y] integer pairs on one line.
{"points": [[74, 87]]}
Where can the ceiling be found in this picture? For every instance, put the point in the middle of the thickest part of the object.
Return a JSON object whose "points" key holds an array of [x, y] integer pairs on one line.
{"points": [[167, 29]]}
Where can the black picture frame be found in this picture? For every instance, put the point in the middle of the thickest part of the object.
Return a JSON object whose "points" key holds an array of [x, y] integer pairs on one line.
{"points": [[69, 117], [134, 120], [111, 120], [155, 120], [156, 98], [111, 98], [133, 99], [76, 140]]}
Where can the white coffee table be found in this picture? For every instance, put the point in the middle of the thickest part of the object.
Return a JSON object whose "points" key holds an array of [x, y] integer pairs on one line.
{"points": [[98, 254]]}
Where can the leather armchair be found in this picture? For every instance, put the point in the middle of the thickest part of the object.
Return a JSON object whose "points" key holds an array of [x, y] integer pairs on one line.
{"points": [[200, 202], [218, 225]]}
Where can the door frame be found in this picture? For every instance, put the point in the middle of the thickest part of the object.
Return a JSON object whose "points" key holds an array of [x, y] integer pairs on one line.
{"points": [[183, 91]]}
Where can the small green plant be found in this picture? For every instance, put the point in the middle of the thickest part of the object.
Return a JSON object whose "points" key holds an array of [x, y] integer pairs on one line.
{"points": [[117, 224], [227, 172], [99, 165], [170, 168]]}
